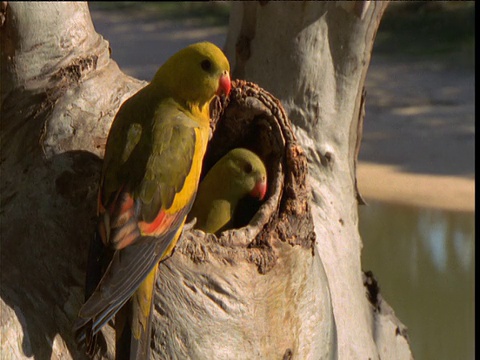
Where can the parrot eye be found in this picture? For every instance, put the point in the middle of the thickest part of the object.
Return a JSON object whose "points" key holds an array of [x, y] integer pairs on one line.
{"points": [[248, 168], [206, 65]]}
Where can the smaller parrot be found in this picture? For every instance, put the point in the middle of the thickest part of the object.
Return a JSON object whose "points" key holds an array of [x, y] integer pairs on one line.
{"points": [[151, 170], [238, 174]]}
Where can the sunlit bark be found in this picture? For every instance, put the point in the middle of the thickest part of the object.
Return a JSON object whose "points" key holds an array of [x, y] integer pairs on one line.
{"points": [[259, 292], [314, 57]]}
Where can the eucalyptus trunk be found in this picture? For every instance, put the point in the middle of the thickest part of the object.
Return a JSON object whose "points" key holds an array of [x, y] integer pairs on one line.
{"points": [[257, 292], [314, 56]]}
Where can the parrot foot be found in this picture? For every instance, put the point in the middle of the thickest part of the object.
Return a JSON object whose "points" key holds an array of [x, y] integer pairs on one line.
{"points": [[189, 226]]}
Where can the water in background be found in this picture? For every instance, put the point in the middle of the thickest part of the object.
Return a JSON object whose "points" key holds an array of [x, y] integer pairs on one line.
{"points": [[424, 262]]}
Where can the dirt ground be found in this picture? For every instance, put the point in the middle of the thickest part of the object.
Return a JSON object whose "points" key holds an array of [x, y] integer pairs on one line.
{"points": [[419, 132]]}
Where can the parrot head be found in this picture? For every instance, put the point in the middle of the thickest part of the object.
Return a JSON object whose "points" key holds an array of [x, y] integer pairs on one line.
{"points": [[247, 173], [228, 195], [195, 74]]}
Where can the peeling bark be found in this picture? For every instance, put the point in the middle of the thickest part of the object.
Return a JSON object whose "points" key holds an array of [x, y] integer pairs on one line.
{"points": [[259, 291], [60, 91], [314, 56]]}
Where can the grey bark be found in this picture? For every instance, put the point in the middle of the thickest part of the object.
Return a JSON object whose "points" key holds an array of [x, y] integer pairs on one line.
{"points": [[314, 56], [59, 93], [258, 292]]}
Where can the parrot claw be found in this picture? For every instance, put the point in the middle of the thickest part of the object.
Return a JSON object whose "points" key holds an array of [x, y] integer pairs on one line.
{"points": [[189, 226]]}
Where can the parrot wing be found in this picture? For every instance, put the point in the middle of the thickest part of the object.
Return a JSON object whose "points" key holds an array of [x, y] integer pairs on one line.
{"points": [[152, 165], [142, 218], [123, 276], [139, 193]]}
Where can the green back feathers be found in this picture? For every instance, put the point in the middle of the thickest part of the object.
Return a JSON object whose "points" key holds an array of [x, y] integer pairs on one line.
{"points": [[154, 129], [151, 169]]}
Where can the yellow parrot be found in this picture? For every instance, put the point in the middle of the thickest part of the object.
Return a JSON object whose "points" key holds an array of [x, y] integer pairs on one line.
{"points": [[238, 174], [152, 164]]}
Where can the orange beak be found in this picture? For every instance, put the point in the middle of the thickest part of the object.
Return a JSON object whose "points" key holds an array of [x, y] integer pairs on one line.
{"points": [[224, 84], [260, 189]]}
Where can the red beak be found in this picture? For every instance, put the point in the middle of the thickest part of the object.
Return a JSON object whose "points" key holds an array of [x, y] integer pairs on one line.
{"points": [[224, 84], [260, 190]]}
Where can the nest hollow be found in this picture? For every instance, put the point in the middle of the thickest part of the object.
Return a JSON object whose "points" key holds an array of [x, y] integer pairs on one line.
{"points": [[254, 119]]}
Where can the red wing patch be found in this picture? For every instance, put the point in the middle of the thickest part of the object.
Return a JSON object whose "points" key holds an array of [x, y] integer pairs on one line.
{"points": [[159, 225], [119, 226]]}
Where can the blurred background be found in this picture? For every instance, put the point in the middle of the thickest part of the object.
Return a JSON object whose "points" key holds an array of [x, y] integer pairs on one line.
{"points": [[416, 164]]}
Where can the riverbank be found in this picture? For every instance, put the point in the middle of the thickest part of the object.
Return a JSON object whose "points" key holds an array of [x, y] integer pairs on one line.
{"points": [[418, 145], [419, 131], [387, 184]]}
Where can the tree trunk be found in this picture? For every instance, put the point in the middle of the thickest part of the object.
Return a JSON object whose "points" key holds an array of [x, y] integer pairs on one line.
{"points": [[258, 292], [314, 56], [60, 92]]}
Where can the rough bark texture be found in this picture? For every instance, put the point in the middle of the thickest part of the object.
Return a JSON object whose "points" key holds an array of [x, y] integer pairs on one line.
{"points": [[258, 292], [314, 56], [60, 91]]}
